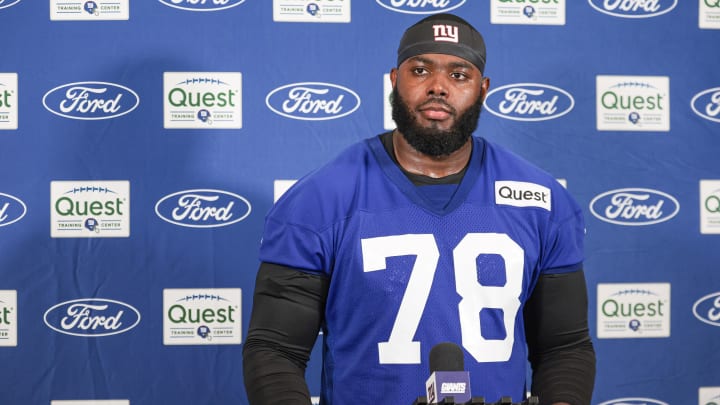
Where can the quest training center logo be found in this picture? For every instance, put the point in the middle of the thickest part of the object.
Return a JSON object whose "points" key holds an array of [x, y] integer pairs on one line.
{"points": [[706, 104], [12, 209], [634, 401], [421, 6], [202, 316], [312, 11], [206, 100], [634, 206], [633, 310], [91, 317], [8, 99], [89, 10], [633, 103], [709, 207], [633, 8], [542, 12], [90, 209], [529, 102], [203, 208], [709, 396], [8, 318], [90, 100], [196, 5], [312, 101], [707, 309]]}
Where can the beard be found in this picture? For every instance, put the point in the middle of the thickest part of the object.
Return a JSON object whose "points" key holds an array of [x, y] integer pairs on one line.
{"points": [[430, 140]]}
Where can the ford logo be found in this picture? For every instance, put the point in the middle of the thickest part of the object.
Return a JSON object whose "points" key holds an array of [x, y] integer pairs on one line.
{"points": [[634, 206], [92, 317], [90, 100], [529, 102], [633, 8], [707, 104], [195, 5], [634, 401], [707, 309], [12, 209], [3, 4], [203, 208], [312, 101], [420, 6]]}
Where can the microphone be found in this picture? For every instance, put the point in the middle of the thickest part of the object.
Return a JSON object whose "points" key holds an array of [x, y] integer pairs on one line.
{"points": [[448, 378]]}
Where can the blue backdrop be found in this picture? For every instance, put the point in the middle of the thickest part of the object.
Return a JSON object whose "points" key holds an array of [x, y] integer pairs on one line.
{"points": [[142, 143]]}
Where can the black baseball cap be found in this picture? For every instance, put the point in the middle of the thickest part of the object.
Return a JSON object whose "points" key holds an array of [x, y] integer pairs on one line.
{"points": [[446, 34]]}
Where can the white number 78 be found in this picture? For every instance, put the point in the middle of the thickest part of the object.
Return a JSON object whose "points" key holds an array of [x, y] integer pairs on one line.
{"points": [[400, 348]]}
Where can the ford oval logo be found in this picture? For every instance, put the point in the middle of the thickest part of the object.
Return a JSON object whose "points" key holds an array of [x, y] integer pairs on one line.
{"points": [[203, 208], [8, 4], [90, 100], [12, 209], [529, 102], [312, 101], [634, 206], [634, 401], [420, 6], [707, 309], [633, 8], [92, 317], [707, 104], [195, 5]]}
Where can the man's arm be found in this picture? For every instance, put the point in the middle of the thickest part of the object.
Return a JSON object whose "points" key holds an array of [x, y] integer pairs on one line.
{"points": [[560, 349], [288, 308]]}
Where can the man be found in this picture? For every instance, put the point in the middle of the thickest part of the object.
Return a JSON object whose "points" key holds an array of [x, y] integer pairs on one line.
{"points": [[423, 235]]}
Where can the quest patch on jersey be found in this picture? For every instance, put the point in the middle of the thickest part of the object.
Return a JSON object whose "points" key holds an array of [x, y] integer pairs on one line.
{"points": [[522, 194]]}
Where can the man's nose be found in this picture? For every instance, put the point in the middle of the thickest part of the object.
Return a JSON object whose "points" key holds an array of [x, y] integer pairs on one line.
{"points": [[438, 86]]}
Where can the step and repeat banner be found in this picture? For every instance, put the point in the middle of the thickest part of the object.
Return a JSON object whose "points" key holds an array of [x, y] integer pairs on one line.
{"points": [[143, 141]]}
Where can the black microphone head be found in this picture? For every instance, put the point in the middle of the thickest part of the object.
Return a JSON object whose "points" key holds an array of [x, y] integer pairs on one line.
{"points": [[446, 356]]}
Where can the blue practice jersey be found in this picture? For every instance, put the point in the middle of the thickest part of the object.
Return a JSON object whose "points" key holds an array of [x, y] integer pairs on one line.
{"points": [[407, 274]]}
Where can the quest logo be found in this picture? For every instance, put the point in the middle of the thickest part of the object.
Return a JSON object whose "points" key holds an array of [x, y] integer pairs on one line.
{"points": [[633, 8], [312, 101], [211, 100], [90, 209], [707, 104], [195, 5], [8, 3], [529, 102], [203, 208], [633, 310], [90, 100], [420, 6], [91, 317], [12, 209], [634, 206], [8, 318], [202, 316], [707, 309], [634, 401]]}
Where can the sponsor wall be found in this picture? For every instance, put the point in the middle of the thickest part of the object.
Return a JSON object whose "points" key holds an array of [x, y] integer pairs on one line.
{"points": [[141, 144]]}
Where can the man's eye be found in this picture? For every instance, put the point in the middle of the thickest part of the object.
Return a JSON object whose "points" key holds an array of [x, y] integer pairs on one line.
{"points": [[419, 70], [458, 75]]}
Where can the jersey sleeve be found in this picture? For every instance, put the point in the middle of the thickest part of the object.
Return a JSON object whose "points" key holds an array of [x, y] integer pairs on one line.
{"points": [[563, 249], [293, 245]]}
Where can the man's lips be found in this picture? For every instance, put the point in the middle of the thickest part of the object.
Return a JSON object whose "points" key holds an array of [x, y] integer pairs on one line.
{"points": [[435, 111]]}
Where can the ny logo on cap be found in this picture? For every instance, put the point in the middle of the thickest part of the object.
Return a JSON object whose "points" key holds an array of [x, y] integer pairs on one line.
{"points": [[446, 33]]}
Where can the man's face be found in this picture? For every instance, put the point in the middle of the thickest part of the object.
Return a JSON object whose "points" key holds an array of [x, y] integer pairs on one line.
{"points": [[436, 102]]}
